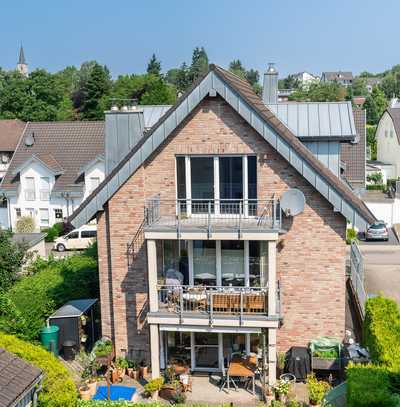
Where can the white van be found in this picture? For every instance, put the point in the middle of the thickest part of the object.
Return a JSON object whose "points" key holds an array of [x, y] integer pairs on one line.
{"points": [[76, 239]]}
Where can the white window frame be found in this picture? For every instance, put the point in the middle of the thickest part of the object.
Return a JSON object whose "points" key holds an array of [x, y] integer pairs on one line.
{"points": [[44, 192], [29, 190], [91, 188], [41, 210], [218, 262], [216, 180]]}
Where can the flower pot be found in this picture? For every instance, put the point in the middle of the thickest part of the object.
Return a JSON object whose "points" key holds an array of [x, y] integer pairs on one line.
{"points": [[143, 371], [121, 372], [129, 372], [154, 396], [135, 374], [92, 387], [114, 376], [85, 393], [168, 392]]}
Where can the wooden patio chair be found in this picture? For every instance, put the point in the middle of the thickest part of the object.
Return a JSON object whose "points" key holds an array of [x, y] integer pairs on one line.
{"points": [[255, 303], [234, 303], [220, 302]]}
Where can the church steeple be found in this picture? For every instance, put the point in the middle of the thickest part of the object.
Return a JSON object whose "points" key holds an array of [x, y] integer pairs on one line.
{"points": [[22, 66]]}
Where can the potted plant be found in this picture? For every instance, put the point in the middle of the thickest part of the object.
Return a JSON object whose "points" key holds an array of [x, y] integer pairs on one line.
{"points": [[316, 389], [85, 392], [121, 364], [153, 386], [282, 388], [280, 363], [104, 352], [132, 369], [91, 383], [114, 375], [143, 369], [83, 320]]}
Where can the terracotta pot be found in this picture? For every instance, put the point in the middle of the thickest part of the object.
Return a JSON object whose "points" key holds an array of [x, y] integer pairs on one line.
{"points": [[114, 376], [92, 387], [85, 393], [135, 374], [129, 371], [143, 371], [121, 372], [167, 392]]}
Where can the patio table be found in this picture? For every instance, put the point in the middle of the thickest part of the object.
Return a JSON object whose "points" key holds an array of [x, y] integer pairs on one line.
{"points": [[240, 368]]}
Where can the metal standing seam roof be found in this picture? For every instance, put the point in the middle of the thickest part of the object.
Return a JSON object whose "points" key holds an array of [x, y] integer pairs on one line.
{"points": [[17, 378], [74, 308], [153, 113], [240, 95], [317, 121]]}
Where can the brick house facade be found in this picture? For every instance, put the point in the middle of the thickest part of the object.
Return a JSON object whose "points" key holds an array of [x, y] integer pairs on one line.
{"points": [[307, 256]]}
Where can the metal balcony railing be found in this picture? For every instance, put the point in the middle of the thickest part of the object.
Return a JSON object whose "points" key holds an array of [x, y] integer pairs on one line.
{"points": [[213, 300], [213, 214]]}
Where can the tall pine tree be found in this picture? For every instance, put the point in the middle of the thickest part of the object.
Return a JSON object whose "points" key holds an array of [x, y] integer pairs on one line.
{"points": [[154, 66]]}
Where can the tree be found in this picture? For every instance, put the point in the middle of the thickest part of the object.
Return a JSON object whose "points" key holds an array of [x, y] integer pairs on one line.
{"points": [[179, 77], [11, 260], [320, 92], [358, 87], [156, 91], [154, 66], [375, 104], [237, 68], [95, 90], [199, 64], [290, 82], [252, 76]]}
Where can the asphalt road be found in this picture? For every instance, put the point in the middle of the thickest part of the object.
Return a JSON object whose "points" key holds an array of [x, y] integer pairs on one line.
{"points": [[382, 270]]}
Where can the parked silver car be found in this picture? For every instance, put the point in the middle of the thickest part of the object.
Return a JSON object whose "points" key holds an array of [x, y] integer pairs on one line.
{"points": [[378, 231]]}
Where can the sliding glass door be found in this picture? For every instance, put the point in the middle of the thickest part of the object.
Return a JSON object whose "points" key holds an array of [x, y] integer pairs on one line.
{"points": [[232, 263], [231, 186], [202, 183]]}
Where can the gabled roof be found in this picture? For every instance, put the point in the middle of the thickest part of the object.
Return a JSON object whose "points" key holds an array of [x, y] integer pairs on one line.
{"points": [[338, 75], [63, 147], [394, 114], [17, 378], [87, 166], [10, 133], [47, 160], [240, 95], [317, 121]]}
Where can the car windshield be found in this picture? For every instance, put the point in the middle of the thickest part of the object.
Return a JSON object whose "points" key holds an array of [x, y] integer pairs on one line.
{"points": [[378, 226]]}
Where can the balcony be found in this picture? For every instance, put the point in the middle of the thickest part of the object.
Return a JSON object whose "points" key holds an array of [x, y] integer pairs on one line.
{"points": [[212, 216], [209, 305]]}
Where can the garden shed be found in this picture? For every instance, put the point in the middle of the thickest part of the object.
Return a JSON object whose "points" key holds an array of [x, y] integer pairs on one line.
{"points": [[79, 324]]}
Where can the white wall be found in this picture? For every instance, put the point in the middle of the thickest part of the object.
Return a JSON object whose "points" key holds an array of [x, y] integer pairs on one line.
{"points": [[37, 171], [387, 143], [387, 211]]}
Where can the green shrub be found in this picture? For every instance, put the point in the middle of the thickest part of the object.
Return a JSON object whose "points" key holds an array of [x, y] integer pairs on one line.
{"points": [[376, 187], [53, 232], [316, 389], [58, 388], [382, 331], [36, 297], [351, 234], [154, 385], [368, 385], [25, 224], [375, 177]]}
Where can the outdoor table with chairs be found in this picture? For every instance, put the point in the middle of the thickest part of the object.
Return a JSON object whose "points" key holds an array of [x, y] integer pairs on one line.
{"points": [[242, 368]]}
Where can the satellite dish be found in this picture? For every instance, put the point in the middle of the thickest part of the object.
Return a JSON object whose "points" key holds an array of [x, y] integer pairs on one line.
{"points": [[30, 140], [292, 202]]}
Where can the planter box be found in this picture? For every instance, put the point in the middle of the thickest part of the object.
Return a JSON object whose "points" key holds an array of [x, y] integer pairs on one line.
{"points": [[105, 360], [325, 364]]}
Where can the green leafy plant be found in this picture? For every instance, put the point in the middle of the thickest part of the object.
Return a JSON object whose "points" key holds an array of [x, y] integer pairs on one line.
{"points": [[132, 364], [153, 385], [376, 187], [280, 360], [351, 234], [25, 224], [316, 389], [277, 403], [53, 232], [35, 297], [375, 177], [103, 349], [121, 363], [282, 387], [327, 354], [58, 387]]}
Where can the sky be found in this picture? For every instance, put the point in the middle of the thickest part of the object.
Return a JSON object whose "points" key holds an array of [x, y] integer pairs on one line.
{"points": [[297, 35]]}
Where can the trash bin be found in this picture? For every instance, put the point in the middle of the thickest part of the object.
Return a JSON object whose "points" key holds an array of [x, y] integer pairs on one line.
{"points": [[69, 350], [49, 338]]}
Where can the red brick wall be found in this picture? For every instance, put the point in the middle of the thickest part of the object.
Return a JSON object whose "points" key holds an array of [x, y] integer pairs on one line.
{"points": [[311, 255]]}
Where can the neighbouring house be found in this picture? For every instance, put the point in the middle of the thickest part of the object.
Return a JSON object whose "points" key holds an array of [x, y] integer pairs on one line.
{"points": [[55, 166], [388, 137], [196, 257], [20, 382], [342, 78], [371, 82], [306, 78], [10, 134]]}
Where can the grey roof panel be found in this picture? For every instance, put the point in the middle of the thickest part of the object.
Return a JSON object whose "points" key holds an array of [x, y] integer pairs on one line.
{"points": [[308, 120], [153, 113], [74, 308]]}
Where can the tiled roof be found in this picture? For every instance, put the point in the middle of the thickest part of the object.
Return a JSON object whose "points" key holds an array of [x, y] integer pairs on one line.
{"points": [[334, 76], [353, 154], [17, 377], [246, 95], [394, 113], [64, 147], [10, 133]]}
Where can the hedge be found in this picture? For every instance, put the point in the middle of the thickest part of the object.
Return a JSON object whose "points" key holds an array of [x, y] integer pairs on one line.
{"points": [[376, 187], [25, 307], [369, 385], [58, 387], [382, 332]]}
